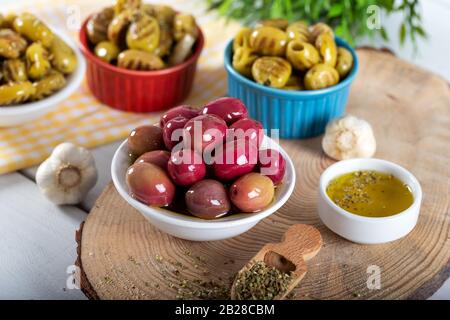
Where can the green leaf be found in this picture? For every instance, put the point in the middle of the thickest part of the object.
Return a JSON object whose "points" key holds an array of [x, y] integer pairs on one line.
{"points": [[402, 33], [387, 4], [335, 10], [343, 31], [288, 9], [348, 17], [277, 9], [317, 9], [223, 9], [384, 34], [421, 32]]}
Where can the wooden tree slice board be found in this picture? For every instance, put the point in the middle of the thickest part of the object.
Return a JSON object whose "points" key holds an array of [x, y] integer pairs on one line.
{"points": [[124, 257]]}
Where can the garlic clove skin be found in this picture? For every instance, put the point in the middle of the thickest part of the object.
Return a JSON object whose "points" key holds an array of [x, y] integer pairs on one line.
{"points": [[69, 153], [67, 175], [349, 137]]}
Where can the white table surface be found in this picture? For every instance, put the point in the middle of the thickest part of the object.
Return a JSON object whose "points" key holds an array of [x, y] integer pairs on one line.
{"points": [[37, 238]]}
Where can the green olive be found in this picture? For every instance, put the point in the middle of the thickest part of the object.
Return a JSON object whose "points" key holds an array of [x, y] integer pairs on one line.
{"points": [[8, 20], [319, 28], [302, 55], [12, 45], [14, 70], [139, 60], [276, 23], [48, 85], [344, 62], [271, 71], [298, 31], [97, 26], [148, 9], [184, 24], [107, 51], [63, 57], [122, 5], [164, 14], [144, 33], [32, 28], [37, 61], [243, 59], [321, 76], [165, 41], [327, 48], [242, 38], [268, 41], [294, 83], [117, 29], [16, 92]]}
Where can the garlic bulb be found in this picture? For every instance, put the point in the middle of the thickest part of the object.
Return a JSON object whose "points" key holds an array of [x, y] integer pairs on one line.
{"points": [[67, 175], [349, 137]]}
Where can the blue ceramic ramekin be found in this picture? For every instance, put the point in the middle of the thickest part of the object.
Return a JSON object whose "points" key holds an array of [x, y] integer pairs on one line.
{"points": [[296, 114]]}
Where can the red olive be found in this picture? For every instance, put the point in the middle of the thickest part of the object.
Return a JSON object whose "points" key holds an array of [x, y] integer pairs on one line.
{"points": [[229, 109], [144, 139], [157, 157], [204, 132], [248, 129], [272, 164], [186, 167], [183, 111], [149, 184], [170, 137], [208, 199], [252, 192], [235, 159]]}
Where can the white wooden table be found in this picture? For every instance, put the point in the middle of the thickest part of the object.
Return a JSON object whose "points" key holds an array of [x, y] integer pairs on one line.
{"points": [[37, 242], [37, 238]]}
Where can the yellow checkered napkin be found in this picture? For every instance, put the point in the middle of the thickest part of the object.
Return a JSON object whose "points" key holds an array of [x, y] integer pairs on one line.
{"points": [[83, 120]]}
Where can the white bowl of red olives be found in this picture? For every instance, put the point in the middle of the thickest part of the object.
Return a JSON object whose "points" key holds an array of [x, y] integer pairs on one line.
{"points": [[203, 174]]}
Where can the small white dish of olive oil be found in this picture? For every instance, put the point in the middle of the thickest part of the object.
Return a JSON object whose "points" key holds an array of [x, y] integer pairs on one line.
{"points": [[369, 201]]}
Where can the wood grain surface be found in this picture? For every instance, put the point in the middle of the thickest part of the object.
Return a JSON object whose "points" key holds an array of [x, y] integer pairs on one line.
{"points": [[299, 244], [124, 257]]}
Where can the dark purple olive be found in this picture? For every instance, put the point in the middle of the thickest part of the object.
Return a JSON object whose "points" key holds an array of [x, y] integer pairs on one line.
{"points": [[248, 129], [234, 159], [204, 132], [184, 111], [208, 199], [272, 164], [170, 136], [229, 109], [144, 139], [186, 167], [157, 157], [149, 184]]}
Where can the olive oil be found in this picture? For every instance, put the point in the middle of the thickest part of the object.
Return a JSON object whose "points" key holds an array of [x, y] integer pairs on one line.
{"points": [[370, 193]]}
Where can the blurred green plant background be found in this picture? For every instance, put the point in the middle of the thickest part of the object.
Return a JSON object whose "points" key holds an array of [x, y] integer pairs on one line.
{"points": [[347, 17]]}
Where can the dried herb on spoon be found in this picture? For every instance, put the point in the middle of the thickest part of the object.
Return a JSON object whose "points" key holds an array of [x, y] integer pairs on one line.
{"points": [[261, 282]]}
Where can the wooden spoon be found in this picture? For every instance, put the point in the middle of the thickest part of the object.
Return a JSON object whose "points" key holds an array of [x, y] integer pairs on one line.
{"points": [[300, 243]]}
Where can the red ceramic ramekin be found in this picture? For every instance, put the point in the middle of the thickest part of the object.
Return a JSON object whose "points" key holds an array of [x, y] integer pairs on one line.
{"points": [[139, 91]]}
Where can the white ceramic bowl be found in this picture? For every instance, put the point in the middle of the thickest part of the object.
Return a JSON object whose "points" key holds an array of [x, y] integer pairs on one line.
{"points": [[18, 114], [192, 228], [367, 230]]}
